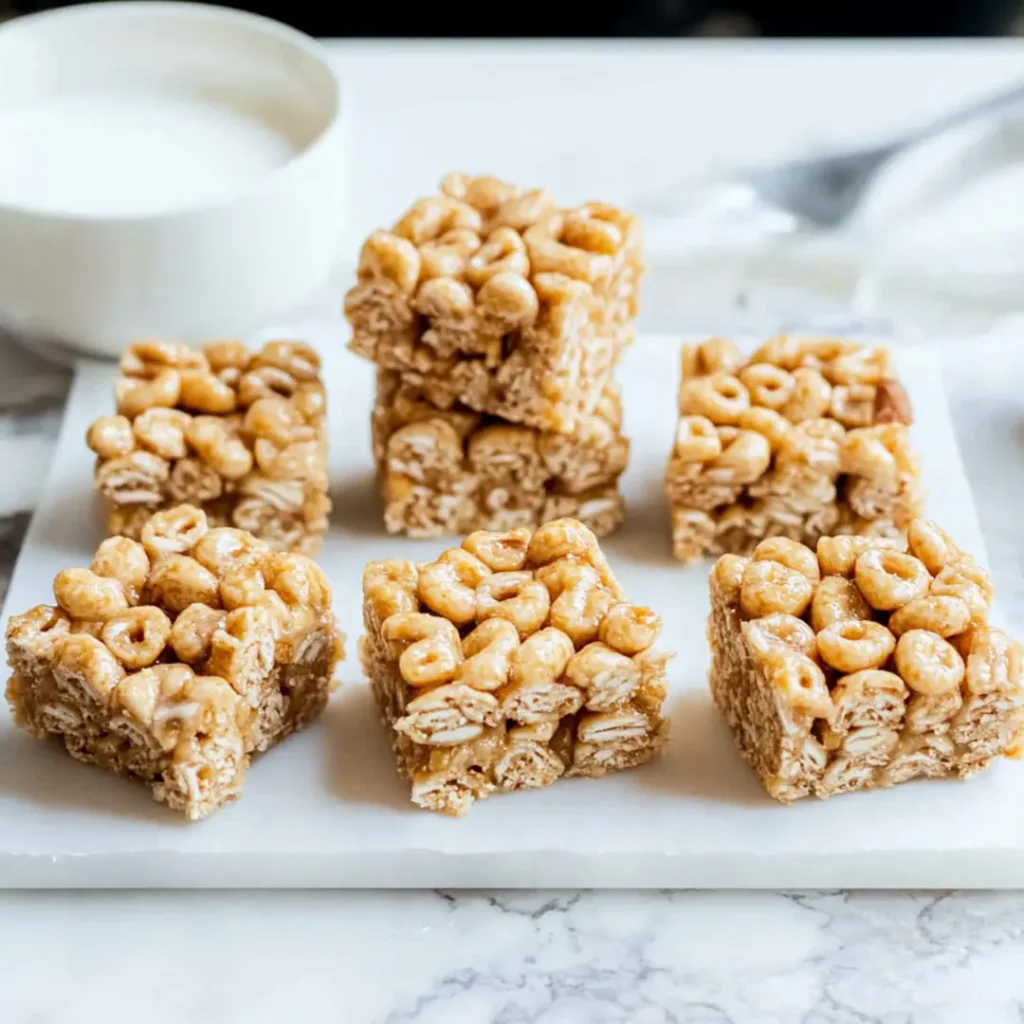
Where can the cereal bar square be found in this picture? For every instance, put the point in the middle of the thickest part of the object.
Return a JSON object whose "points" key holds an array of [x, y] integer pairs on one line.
{"points": [[492, 296], [174, 660], [863, 664], [449, 472], [509, 662], [807, 438], [241, 434]]}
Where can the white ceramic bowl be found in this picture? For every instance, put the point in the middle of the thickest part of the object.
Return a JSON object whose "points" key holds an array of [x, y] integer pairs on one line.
{"points": [[166, 169]]}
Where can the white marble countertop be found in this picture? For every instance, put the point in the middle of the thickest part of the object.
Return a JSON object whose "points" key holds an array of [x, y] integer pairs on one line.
{"points": [[630, 122], [513, 958]]}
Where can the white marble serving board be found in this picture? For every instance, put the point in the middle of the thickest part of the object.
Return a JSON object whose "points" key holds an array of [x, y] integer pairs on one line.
{"points": [[328, 810]]}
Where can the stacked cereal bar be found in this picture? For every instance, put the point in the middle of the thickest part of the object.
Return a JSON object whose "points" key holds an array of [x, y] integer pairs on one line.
{"points": [[240, 434], [509, 662], [862, 665], [454, 471], [808, 437], [175, 659], [499, 319]]}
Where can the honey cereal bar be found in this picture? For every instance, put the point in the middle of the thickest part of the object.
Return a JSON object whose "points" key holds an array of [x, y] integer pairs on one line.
{"points": [[453, 471], [177, 658], [492, 296], [864, 664], [509, 662], [241, 434], [807, 438]]}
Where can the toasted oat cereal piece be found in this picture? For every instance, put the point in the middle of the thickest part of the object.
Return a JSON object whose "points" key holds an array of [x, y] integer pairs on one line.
{"points": [[864, 664], [509, 662], [808, 438], [492, 296], [452, 471], [176, 658], [240, 434]]}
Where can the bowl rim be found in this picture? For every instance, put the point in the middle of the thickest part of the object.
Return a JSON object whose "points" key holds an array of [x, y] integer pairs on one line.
{"points": [[106, 10]]}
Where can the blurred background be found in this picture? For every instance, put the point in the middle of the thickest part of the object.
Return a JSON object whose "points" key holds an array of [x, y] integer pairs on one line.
{"points": [[638, 18]]}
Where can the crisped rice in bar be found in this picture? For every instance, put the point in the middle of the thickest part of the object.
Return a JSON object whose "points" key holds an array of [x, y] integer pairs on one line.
{"points": [[241, 434], [863, 664], [808, 437], [492, 296], [176, 659], [509, 662], [449, 472]]}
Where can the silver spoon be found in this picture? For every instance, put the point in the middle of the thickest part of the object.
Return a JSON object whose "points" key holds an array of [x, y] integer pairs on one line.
{"points": [[822, 192]]}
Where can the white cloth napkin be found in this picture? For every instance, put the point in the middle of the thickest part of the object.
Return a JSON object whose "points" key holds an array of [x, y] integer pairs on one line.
{"points": [[938, 240]]}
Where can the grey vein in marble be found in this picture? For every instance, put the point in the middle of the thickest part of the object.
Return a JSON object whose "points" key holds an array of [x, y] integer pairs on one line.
{"points": [[29, 381], [521, 958], [12, 533], [716, 958]]}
